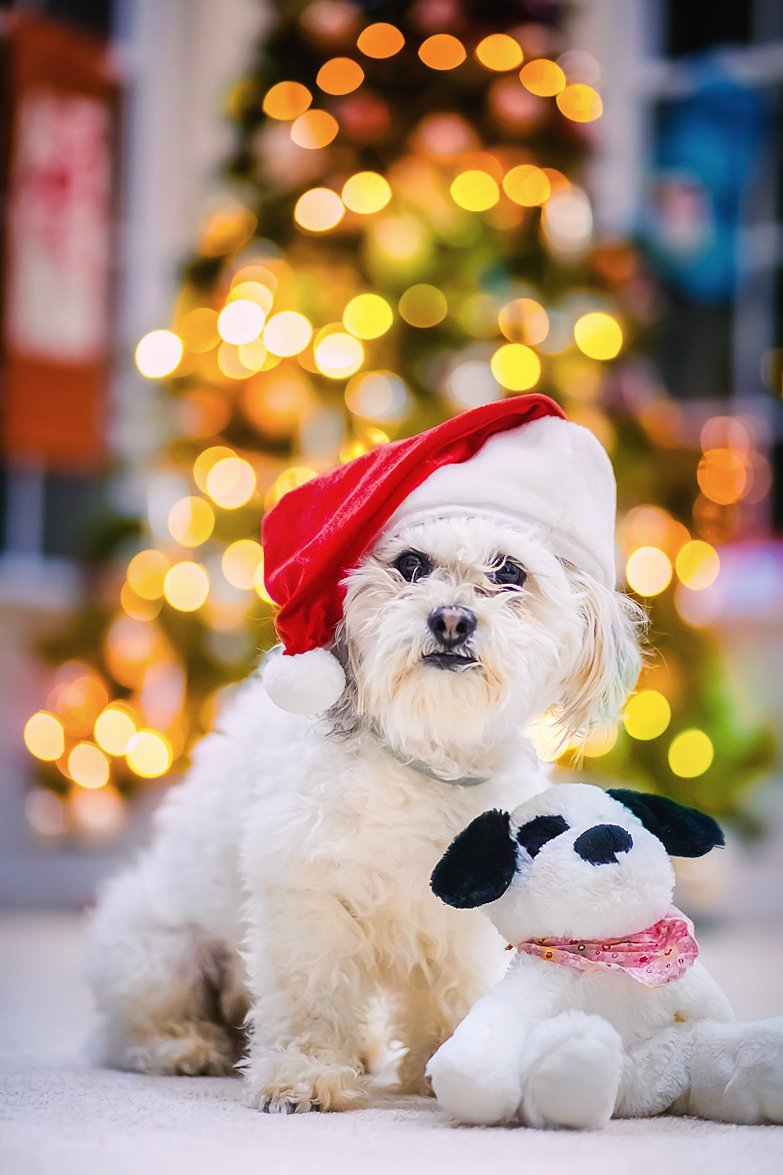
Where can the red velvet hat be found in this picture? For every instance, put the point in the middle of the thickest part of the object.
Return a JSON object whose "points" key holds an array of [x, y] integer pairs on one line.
{"points": [[318, 532]]}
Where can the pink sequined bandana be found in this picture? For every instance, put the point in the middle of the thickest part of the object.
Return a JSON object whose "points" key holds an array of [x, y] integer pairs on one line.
{"points": [[654, 957]]}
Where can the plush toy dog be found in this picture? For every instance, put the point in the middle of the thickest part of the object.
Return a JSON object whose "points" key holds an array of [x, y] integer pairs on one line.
{"points": [[435, 595], [604, 1009]]}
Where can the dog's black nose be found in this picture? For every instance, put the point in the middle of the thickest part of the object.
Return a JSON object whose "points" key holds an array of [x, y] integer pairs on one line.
{"points": [[451, 625], [600, 845]]}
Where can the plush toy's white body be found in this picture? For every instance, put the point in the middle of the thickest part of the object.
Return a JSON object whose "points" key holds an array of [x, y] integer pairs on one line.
{"points": [[553, 1046]]}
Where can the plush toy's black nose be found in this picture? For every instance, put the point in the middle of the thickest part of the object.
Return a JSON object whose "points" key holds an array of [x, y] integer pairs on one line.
{"points": [[600, 845], [451, 625]]}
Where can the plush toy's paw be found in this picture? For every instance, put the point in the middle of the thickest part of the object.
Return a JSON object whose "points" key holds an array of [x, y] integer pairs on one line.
{"points": [[470, 1091], [572, 1070], [737, 1072]]}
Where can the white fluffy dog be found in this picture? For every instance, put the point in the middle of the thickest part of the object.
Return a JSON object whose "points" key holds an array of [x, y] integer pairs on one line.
{"points": [[286, 891]]}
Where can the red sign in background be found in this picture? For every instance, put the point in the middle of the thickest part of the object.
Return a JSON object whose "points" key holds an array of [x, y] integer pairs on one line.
{"points": [[58, 244]]}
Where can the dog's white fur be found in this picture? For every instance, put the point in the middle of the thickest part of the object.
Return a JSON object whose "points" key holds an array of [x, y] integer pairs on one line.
{"points": [[287, 886]]}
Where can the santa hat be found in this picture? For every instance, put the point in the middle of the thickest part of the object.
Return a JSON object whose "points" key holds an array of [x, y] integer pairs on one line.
{"points": [[517, 459]]}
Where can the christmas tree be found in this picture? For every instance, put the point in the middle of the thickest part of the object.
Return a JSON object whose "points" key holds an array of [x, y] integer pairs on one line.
{"points": [[407, 237]]}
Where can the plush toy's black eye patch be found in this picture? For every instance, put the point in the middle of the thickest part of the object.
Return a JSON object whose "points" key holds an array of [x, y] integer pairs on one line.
{"points": [[534, 835]]}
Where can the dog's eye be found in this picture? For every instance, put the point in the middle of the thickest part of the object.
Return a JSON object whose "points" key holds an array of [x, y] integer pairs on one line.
{"points": [[535, 834], [508, 574], [412, 565]]}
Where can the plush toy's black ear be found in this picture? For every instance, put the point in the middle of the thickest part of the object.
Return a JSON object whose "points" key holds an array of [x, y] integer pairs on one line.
{"points": [[478, 865], [683, 832]]}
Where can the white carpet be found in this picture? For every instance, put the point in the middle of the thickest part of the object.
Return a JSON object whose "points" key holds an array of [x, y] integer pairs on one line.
{"points": [[58, 1116]]}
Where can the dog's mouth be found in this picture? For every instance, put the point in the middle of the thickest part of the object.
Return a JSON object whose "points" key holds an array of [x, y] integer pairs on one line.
{"points": [[452, 661]]}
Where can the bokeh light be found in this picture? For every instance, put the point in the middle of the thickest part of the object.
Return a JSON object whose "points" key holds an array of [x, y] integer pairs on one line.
{"points": [[401, 238], [44, 736], [377, 395], [318, 210], [191, 521], [475, 191], [691, 753], [315, 129], [380, 40], [258, 274], [524, 321], [146, 573], [198, 330], [206, 459], [252, 356], [598, 335], [230, 361], [580, 103], [338, 355], [648, 571], [114, 728], [231, 482], [287, 333], [722, 476], [542, 77], [258, 582], [516, 367], [472, 384], [186, 586], [45, 812], [158, 354], [241, 321], [499, 52], [88, 766], [368, 316], [149, 754], [527, 185], [97, 812], [341, 75], [423, 305], [286, 101], [697, 565], [253, 292], [599, 743], [567, 219], [647, 715], [239, 563], [442, 52], [289, 479], [366, 192]]}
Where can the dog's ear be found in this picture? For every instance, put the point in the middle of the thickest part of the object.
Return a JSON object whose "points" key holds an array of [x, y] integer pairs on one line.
{"points": [[478, 865], [683, 832], [608, 661]]}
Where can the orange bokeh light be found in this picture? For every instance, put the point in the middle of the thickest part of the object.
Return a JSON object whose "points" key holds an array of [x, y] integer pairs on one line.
{"points": [[542, 77], [314, 129], [527, 185], [287, 100], [580, 103], [380, 40], [442, 52], [341, 75], [722, 476], [500, 52]]}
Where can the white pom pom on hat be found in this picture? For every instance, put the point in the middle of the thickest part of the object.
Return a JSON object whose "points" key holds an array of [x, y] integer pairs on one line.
{"points": [[517, 457]]}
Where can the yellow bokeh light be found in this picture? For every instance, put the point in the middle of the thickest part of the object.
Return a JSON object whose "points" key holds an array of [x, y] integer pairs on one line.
{"points": [[44, 737], [697, 565], [319, 210], [257, 274], [368, 316], [475, 191], [647, 715], [516, 367], [315, 129], [380, 40], [341, 75], [114, 729], [287, 333], [258, 582], [339, 355], [289, 480], [691, 753], [722, 476], [186, 586], [442, 52], [648, 571], [527, 185], [240, 561], [241, 321], [366, 192], [423, 305], [599, 743], [542, 77], [230, 362], [287, 100], [191, 521], [198, 330], [146, 573], [499, 52], [149, 754], [598, 335], [205, 461], [253, 292], [158, 353], [231, 482], [524, 321], [580, 103], [88, 766], [252, 355]]}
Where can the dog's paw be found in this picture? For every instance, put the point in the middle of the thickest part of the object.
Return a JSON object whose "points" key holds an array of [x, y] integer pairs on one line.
{"points": [[270, 1106], [291, 1082], [573, 1067]]}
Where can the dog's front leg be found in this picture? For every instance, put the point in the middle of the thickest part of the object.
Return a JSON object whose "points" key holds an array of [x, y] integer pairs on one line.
{"points": [[430, 1005], [308, 962]]}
